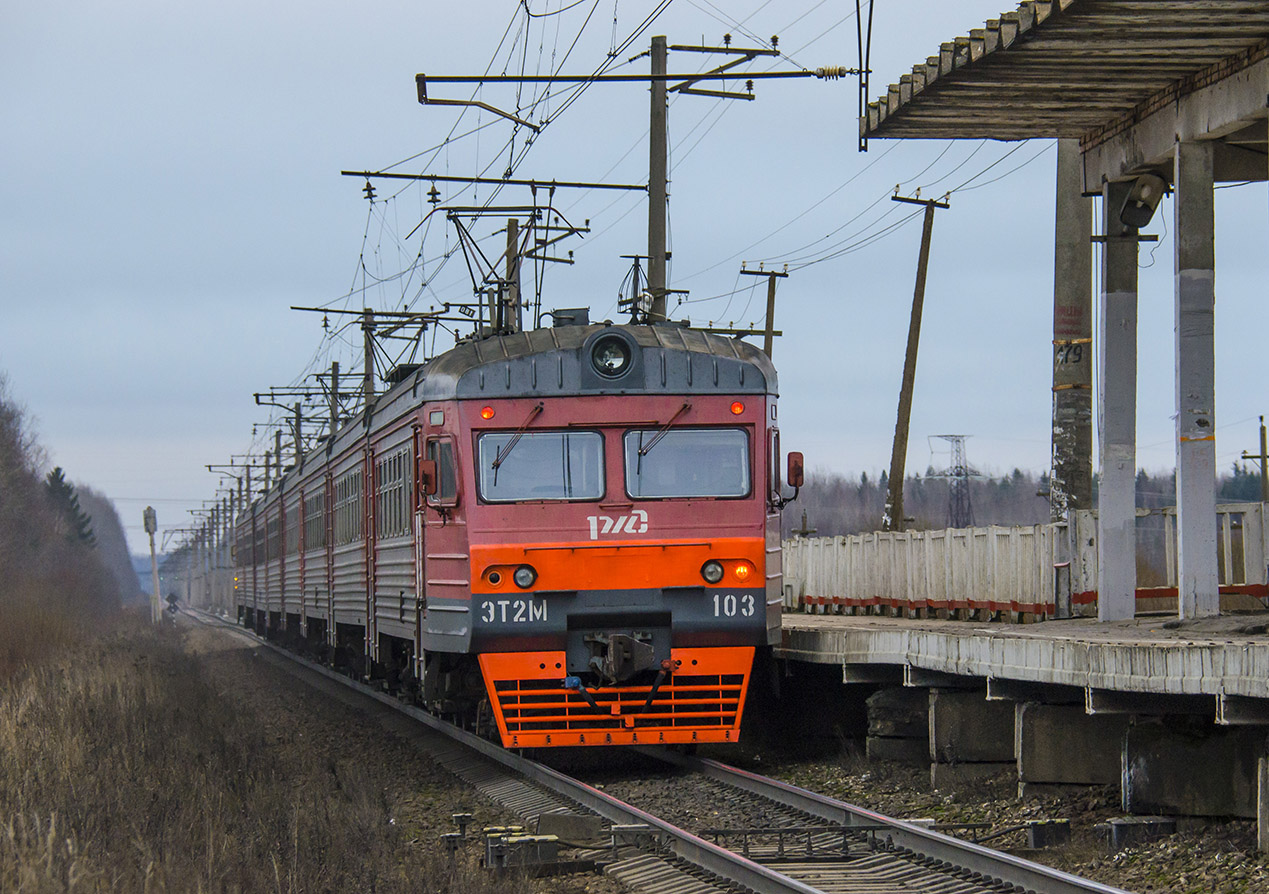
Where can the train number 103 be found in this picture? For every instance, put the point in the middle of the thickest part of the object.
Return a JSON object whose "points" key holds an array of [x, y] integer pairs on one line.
{"points": [[729, 605]]}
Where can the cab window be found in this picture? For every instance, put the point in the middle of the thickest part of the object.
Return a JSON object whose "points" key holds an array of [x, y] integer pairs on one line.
{"points": [[687, 462], [540, 465], [441, 451]]}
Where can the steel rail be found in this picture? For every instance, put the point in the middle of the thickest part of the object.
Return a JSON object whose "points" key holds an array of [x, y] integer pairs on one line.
{"points": [[711, 858], [965, 855]]}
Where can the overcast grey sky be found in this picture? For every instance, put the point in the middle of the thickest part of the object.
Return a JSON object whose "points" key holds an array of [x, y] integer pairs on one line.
{"points": [[171, 186]]}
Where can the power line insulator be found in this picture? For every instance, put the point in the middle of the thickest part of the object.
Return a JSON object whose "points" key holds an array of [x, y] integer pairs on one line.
{"points": [[434, 195], [369, 190]]}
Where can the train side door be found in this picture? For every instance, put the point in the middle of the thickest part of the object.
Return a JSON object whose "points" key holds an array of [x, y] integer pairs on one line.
{"points": [[774, 571], [444, 559]]}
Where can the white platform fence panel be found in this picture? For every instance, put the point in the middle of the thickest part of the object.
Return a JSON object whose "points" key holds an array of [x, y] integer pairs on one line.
{"points": [[1033, 571]]}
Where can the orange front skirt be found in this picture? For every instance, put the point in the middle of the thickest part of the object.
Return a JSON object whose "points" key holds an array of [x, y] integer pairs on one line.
{"points": [[701, 702]]}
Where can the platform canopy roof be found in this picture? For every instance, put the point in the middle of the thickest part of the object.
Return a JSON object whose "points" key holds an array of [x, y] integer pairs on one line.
{"points": [[1087, 69]]}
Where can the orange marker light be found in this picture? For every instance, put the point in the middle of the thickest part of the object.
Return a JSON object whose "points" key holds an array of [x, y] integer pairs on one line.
{"points": [[743, 570], [737, 408], [486, 412]]}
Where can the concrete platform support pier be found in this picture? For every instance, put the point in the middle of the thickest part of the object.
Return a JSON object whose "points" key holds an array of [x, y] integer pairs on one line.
{"points": [[970, 737], [1262, 805], [899, 726], [1195, 382], [1059, 746], [1200, 772], [1117, 412]]}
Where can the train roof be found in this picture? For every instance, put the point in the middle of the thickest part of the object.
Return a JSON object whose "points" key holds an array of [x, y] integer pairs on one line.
{"points": [[550, 362]]}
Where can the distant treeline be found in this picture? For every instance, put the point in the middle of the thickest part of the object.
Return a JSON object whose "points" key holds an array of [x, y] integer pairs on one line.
{"points": [[850, 504], [63, 563]]}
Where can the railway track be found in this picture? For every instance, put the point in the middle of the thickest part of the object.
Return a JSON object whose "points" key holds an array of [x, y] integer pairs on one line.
{"points": [[806, 843]]}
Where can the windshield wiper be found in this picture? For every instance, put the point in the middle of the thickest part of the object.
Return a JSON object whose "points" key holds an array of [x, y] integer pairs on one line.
{"points": [[515, 439], [645, 449]]}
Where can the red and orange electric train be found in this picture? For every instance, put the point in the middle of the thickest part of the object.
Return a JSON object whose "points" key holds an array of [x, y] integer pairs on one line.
{"points": [[571, 532]]}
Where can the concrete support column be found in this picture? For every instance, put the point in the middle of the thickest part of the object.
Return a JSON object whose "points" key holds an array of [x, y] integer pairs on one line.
{"points": [[1195, 382], [1177, 771], [1071, 476], [1262, 804], [1058, 746], [970, 738], [1117, 413]]}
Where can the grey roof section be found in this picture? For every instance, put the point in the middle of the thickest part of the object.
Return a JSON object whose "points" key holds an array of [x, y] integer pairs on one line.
{"points": [[1086, 69], [546, 362]]}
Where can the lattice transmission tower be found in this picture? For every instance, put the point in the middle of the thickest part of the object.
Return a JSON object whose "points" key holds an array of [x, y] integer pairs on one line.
{"points": [[960, 509]]}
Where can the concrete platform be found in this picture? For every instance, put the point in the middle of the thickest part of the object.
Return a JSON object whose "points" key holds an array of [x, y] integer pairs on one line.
{"points": [[1224, 661], [1176, 712]]}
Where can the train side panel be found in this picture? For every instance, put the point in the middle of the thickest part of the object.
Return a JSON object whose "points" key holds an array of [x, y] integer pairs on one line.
{"points": [[394, 548], [348, 599]]}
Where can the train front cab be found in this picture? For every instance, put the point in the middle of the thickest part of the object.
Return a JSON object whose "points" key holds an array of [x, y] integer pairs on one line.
{"points": [[617, 556]]}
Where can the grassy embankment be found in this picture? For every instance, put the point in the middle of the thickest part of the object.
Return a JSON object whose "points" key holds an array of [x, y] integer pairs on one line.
{"points": [[123, 768]]}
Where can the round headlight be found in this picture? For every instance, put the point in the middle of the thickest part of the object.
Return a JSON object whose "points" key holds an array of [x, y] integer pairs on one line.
{"points": [[524, 576], [712, 571], [610, 357]]}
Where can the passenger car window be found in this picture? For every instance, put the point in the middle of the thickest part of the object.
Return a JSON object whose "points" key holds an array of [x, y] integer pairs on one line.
{"points": [[541, 465], [687, 462]]}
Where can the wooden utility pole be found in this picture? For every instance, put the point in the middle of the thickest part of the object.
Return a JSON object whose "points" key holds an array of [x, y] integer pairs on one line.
{"points": [[1263, 458], [515, 318], [368, 379], [893, 518], [299, 450], [334, 398], [657, 186], [768, 334]]}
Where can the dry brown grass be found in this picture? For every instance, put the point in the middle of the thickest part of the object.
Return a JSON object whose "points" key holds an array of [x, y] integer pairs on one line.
{"points": [[121, 769], [30, 632]]}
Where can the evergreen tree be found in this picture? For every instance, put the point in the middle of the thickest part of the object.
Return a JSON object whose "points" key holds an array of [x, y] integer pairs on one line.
{"points": [[65, 502], [1243, 487]]}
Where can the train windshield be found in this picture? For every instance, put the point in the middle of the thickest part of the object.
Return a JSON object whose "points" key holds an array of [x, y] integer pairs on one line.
{"points": [[687, 462], [541, 465]]}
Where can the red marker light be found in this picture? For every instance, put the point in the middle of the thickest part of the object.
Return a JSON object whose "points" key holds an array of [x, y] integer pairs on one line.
{"points": [[743, 570], [486, 412], [737, 408]]}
